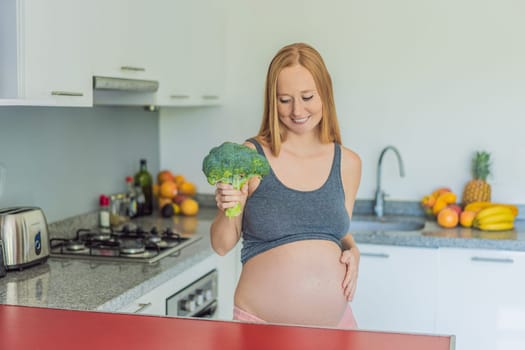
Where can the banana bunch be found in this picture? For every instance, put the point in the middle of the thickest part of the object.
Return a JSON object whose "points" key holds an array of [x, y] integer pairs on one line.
{"points": [[477, 206], [494, 218]]}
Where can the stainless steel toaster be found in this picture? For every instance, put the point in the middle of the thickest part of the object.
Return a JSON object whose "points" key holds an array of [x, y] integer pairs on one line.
{"points": [[24, 236]]}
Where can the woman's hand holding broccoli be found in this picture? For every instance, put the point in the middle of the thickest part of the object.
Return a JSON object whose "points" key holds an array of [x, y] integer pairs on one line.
{"points": [[233, 164], [228, 198]]}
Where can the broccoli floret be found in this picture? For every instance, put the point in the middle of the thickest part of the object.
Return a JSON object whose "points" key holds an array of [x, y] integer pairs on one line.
{"points": [[234, 164]]}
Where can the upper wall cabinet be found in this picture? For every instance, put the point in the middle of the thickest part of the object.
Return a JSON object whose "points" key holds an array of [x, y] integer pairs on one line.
{"points": [[45, 53], [52, 49], [193, 33]]}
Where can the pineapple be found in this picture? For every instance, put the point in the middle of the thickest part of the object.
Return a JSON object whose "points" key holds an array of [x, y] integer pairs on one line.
{"points": [[477, 189]]}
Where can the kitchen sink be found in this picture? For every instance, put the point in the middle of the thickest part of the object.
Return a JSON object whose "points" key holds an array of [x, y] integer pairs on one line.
{"points": [[368, 223]]}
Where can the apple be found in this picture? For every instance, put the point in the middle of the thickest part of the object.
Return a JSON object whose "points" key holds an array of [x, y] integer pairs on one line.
{"points": [[456, 208], [179, 198], [440, 191]]}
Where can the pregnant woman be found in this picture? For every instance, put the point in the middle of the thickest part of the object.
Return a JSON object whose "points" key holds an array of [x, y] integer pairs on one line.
{"points": [[300, 263]]}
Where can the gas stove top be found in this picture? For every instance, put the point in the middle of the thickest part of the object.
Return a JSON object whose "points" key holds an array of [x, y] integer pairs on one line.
{"points": [[128, 243]]}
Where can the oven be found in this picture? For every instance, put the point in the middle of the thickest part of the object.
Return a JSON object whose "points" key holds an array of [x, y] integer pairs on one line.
{"points": [[198, 299]]}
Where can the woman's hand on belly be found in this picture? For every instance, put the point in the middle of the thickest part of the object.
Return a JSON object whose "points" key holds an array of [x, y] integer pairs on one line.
{"points": [[350, 258]]}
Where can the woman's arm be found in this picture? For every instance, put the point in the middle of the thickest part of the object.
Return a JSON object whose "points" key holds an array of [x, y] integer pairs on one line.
{"points": [[225, 232], [351, 174]]}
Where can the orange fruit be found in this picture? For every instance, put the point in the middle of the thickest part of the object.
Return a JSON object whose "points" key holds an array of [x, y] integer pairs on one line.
{"points": [[188, 188], [448, 218], [179, 179], [189, 207], [168, 189], [165, 175], [466, 217]]}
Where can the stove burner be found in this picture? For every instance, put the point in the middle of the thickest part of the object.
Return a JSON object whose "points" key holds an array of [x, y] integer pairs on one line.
{"points": [[154, 239], [126, 243], [99, 236], [105, 243], [172, 234], [75, 245], [132, 247]]}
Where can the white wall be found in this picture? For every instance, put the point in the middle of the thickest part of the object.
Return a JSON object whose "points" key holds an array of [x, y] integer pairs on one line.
{"points": [[62, 159], [437, 79]]}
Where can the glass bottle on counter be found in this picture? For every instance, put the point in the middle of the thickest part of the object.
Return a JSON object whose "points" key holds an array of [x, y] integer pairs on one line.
{"points": [[140, 200], [144, 180], [131, 198]]}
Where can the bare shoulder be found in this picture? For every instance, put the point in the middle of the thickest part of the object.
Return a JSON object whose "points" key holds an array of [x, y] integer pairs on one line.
{"points": [[351, 174], [350, 159], [249, 143]]}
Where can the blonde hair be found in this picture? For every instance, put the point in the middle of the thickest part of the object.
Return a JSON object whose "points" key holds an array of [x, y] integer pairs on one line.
{"points": [[271, 131]]}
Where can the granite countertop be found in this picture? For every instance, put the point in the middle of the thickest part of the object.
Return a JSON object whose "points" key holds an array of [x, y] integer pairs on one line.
{"points": [[93, 285], [80, 284], [434, 236]]}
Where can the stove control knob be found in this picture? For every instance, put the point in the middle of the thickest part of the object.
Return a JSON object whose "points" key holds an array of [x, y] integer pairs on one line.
{"points": [[208, 295], [189, 303], [199, 297]]}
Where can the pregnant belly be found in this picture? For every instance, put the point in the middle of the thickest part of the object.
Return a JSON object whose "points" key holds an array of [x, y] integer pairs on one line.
{"points": [[297, 283]]}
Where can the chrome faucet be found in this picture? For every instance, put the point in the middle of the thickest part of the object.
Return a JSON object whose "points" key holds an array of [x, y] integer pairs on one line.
{"points": [[380, 194]]}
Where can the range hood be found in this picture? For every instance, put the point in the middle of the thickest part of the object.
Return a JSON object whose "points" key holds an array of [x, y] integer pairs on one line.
{"points": [[123, 84], [111, 91]]}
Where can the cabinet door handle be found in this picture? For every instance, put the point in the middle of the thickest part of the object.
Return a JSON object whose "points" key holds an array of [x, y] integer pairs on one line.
{"points": [[180, 96], [210, 97], [376, 255], [134, 69], [495, 260], [66, 93], [141, 307]]}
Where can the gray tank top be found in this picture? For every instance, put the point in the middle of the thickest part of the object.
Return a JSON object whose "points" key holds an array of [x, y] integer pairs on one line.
{"points": [[275, 214]]}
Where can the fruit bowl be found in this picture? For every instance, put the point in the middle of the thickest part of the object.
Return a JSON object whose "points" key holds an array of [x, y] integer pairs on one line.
{"points": [[370, 223]]}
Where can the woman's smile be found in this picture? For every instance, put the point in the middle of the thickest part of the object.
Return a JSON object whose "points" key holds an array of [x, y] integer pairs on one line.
{"points": [[300, 120], [299, 104]]}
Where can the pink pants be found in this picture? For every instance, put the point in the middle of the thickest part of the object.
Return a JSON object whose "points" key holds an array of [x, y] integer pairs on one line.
{"points": [[347, 321]]}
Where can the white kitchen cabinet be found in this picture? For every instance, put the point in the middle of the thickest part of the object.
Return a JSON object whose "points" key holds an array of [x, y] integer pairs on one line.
{"points": [[482, 298], [151, 303], [51, 50], [124, 44], [193, 63], [154, 301], [123, 33], [396, 288], [45, 52]]}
